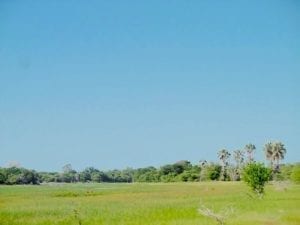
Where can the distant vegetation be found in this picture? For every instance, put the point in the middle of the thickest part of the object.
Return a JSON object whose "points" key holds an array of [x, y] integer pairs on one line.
{"points": [[229, 168]]}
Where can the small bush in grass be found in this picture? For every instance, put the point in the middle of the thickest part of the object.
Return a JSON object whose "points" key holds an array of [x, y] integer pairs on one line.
{"points": [[256, 175]]}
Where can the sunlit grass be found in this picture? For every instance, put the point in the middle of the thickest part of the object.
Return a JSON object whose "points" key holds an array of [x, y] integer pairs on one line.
{"points": [[137, 204]]}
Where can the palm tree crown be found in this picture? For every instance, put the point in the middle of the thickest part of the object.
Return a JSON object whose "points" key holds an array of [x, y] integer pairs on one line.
{"points": [[250, 148], [275, 152], [238, 157], [223, 156]]}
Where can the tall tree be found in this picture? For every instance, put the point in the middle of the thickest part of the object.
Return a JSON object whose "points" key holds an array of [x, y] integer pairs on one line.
{"points": [[250, 148], [269, 153], [67, 168], [275, 152], [278, 153], [223, 157], [68, 175], [238, 156]]}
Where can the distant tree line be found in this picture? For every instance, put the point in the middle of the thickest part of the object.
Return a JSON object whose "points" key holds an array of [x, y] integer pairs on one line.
{"points": [[229, 168]]}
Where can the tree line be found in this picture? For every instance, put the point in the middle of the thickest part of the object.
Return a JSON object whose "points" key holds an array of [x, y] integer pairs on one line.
{"points": [[230, 167]]}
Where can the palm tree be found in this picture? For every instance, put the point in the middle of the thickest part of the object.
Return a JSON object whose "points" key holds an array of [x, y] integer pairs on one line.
{"points": [[269, 152], [275, 152], [278, 153], [250, 148], [203, 164], [238, 156], [223, 156]]}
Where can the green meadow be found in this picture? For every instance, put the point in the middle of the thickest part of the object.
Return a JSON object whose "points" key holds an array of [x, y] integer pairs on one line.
{"points": [[143, 204]]}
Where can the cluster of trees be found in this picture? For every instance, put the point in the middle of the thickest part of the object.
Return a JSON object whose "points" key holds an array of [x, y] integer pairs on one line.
{"points": [[15, 175], [180, 171], [274, 152], [90, 174], [230, 167]]}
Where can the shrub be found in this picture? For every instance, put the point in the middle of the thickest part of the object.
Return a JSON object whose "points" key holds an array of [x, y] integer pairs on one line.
{"points": [[2, 176], [256, 175], [210, 172], [295, 175]]}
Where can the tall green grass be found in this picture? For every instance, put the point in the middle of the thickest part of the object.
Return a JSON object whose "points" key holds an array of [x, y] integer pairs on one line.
{"points": [[143, 204]]}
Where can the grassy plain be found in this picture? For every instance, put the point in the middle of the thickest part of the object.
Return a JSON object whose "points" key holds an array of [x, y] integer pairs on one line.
{"points": [[144, 204]]}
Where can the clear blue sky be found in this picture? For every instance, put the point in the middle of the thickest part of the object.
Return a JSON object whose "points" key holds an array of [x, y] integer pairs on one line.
{"points": [[112, 84]]}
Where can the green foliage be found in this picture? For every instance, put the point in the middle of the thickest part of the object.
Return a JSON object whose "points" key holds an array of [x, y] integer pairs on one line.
{"points": [[284, 173], [91, 174], [148, 174], [170, 177], [295, 175], [256, 175], [210, 171], [68, 177], [2, 178], [48, 177], [190, 175], [14, 175], [181, 171]]}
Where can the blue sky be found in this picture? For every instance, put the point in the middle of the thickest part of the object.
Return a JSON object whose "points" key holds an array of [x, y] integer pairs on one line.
{"points": [[113, 84]]}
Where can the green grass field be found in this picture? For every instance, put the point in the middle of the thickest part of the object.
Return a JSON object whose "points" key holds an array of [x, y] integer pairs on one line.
{"points": [[142, 204]]}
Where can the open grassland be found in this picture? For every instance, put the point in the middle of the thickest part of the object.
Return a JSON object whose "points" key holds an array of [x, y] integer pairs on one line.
{"points": [[143, 204]]}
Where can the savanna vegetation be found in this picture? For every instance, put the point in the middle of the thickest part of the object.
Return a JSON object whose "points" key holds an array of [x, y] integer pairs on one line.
{"points": [[158, 195], [228, 168]]}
